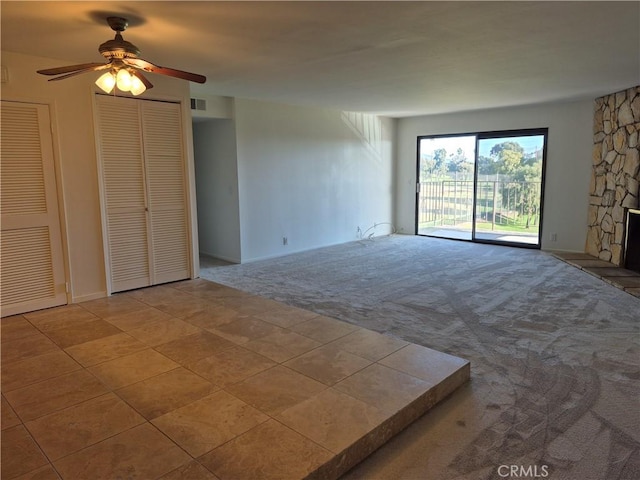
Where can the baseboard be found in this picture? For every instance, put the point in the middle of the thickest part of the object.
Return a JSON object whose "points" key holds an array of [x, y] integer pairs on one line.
{"points": [[220, 257], [317, 247], [86, 298]]}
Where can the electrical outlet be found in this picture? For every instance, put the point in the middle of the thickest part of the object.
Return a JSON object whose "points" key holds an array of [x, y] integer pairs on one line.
{"points": [[285, 241], [553, 237]]}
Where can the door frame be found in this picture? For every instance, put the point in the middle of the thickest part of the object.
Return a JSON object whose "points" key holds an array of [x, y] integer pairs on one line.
{"points": [[544, 132], [417, 198], [540, 131]]}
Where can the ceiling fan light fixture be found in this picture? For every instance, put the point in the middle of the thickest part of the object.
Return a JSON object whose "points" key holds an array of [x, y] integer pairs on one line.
{"points": [[124, 80], [106, 82], [137, 87], [123, 65]]}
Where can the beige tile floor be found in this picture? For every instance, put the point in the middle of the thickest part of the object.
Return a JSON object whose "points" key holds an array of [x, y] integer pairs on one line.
{"points": [[194, 380]]}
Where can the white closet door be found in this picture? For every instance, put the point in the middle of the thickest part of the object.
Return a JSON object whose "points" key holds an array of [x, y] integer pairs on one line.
{"points": [[32, 261], [164, 161], [123, 181], [144, 193]]}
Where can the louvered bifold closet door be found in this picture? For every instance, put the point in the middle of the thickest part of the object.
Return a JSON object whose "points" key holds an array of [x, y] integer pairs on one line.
{"points": [[164, 160], [124, 198], [32, 260]]}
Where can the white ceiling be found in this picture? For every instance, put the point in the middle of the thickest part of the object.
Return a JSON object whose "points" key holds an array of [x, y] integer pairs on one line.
{"points": [[394, 58]]}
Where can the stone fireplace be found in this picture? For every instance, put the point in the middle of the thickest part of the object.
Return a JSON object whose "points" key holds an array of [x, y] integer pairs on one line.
{"points": [[616, 173]]}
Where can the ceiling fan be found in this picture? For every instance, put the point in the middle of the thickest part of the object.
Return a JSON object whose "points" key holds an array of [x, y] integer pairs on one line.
{"points": [[123, 64]]}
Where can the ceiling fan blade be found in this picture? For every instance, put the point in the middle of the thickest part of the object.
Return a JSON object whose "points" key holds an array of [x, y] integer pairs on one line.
{"points": [[171, 72], [143, 79], [100, 66], [68, 68]]}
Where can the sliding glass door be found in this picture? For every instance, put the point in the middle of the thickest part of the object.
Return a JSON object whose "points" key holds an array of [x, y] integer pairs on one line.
{"points": [[486, 187], [508, 204], [446, 171]]}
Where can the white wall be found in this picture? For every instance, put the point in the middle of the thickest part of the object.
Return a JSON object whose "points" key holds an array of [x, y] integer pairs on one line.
{"points": [[217, 188], [309, 175], [70, 102], [568, 167]]}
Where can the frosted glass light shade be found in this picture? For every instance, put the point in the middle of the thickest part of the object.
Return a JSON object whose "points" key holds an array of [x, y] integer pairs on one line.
{"points": [[106, 82], [123, 80], [137, 87]]}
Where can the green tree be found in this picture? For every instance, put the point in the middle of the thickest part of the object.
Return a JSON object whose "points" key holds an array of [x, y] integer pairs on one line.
{"points": [[497, 149], [426, 167], [507, 157], [529, 175], [510, 162], [486, 166], [524, 171], [458, 162], [440, 161]]}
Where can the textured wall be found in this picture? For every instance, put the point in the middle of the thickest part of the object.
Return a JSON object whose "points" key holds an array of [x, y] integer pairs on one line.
{"points": [[310, 175], [616, 172]]}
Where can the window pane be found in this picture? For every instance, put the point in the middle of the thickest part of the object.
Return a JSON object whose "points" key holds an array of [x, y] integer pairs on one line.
{"points": [[509, 189], [445, 198]]}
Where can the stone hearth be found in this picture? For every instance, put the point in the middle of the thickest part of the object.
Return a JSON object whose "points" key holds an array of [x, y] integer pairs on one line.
{"points": [[615, 177]]}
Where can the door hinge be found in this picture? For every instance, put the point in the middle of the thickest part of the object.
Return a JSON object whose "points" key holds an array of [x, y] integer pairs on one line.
{"points": [[418, 187]]}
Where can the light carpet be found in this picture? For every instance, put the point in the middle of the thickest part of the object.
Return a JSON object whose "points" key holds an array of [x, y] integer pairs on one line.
{"points": [[554, 352]]}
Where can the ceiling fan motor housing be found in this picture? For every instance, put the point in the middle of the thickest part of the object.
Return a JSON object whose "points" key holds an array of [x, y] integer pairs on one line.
{"points": [[118, 47]]}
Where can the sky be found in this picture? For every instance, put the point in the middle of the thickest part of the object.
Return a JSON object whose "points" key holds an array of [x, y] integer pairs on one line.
{"points": [[450, 144], [530, 143], [468, 143]]}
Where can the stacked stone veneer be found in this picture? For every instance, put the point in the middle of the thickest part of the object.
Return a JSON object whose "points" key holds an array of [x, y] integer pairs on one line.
{"points": [[616, 172]]}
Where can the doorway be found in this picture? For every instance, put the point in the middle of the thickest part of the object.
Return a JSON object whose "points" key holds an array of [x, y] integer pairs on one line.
{"points": [[485, 187]]}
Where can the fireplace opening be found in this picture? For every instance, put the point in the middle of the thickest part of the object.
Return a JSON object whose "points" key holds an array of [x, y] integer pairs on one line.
{"points": [[632, 241]]}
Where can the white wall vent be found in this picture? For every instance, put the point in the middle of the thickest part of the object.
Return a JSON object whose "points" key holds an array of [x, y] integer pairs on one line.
{"points": [[198, 104]]}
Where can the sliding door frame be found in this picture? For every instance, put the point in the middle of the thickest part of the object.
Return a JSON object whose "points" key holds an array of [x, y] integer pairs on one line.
{"points": [[418, 186], [542, 131]]}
